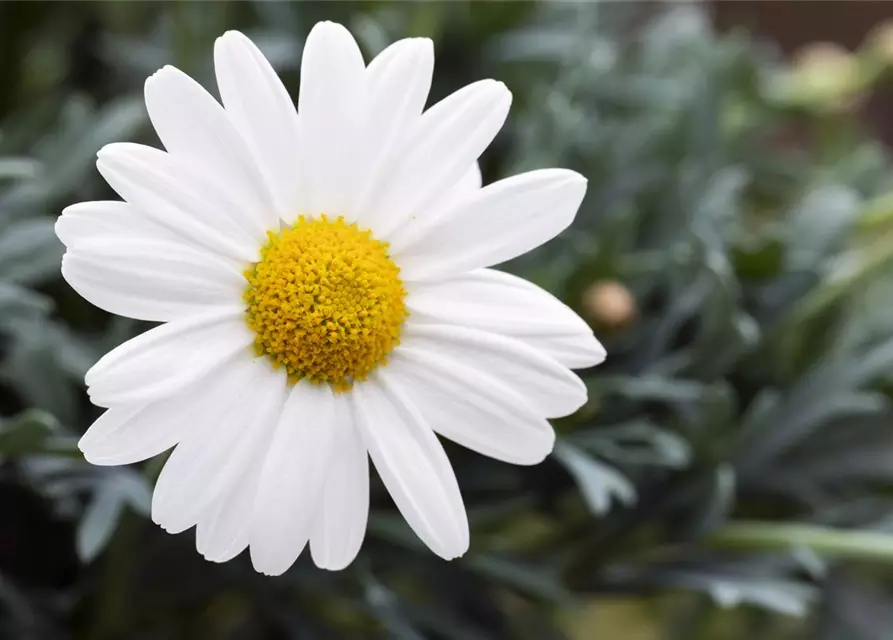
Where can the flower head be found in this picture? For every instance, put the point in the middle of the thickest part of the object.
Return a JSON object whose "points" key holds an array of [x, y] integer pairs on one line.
{"points": [[323, 279]]}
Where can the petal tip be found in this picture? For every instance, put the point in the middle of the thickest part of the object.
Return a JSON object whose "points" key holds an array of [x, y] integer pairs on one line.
{"points": [[328, 28]]}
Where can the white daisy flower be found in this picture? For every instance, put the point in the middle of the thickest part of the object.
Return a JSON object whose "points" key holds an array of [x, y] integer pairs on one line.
{"points": [[323, 276]]}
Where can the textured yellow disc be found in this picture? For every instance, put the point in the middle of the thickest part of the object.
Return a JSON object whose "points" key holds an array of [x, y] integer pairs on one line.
{"points": [[325, 301]]}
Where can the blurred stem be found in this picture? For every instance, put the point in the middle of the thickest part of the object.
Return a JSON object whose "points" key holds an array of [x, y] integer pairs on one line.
{"points": [[112, 611], [872, 260], [836, 543]]}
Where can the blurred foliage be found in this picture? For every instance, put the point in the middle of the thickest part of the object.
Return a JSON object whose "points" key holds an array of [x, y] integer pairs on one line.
{"points": [[731, 475]]}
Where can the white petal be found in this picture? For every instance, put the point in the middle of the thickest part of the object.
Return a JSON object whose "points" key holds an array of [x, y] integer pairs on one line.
{"points": [[331, 105], [413, 466], [194, 128], [471, 408], [166, 359], [123, 435], [505, 304], [178, 198], [547, 387], [448, 138], [222, 532], [470, 181], [109, 221], [499, 222], [209, 461], [343, 510], [261, 109], [293, 475], [399, 79], [152, 280]]}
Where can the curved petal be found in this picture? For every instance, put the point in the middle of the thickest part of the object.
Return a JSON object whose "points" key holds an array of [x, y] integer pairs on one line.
{"points": [[166, 359], [109, 221], [501, 303], [179, 199], [124, 435], [194, 128], [151, 280], [413, 466], [208, 463], [222, 531], [293, 475], [261, 109], [447, 139], [499, 222], [548, 387], [472, 408], [471, 181], [399, 79], [331, 106], [343, 510]]}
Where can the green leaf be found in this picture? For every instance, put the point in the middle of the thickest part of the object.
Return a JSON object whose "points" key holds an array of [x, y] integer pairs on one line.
{"points": [[30, 252], [824, 541], [34, 432], [99, 522], [599, 483]]}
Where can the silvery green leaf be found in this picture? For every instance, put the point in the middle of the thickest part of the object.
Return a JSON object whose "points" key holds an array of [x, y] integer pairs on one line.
{"points": [[672, 31], [818, 223], [599, 483], [789, 598], [31, 368], [34, 432], [637, 442], [70, 155], [134, 490], [99, 522], [30, 252], [19, 304], [18, 168]]}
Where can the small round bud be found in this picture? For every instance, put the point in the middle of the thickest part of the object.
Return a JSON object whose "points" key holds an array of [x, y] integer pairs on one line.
{"points": [[609, 304], [822, 75], [880, 42]]}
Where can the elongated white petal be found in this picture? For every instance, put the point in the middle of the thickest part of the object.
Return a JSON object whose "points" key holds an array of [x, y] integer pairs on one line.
{"points": [[194, 128], [340, 522], [471, 408], [223, 531], [413, 466], [151, 280], [178, 198], [399, 79], [331, 107], [123, 435], [497, 223], [293, 475], [166, 359], [548, 387], [470, 181], [448, 139], [109, 222], [209, 462], [505, 304], [261, 109]]}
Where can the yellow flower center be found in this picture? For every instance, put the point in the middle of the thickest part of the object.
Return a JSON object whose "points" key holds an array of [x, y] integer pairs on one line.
{"points": [[325, 301]]}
